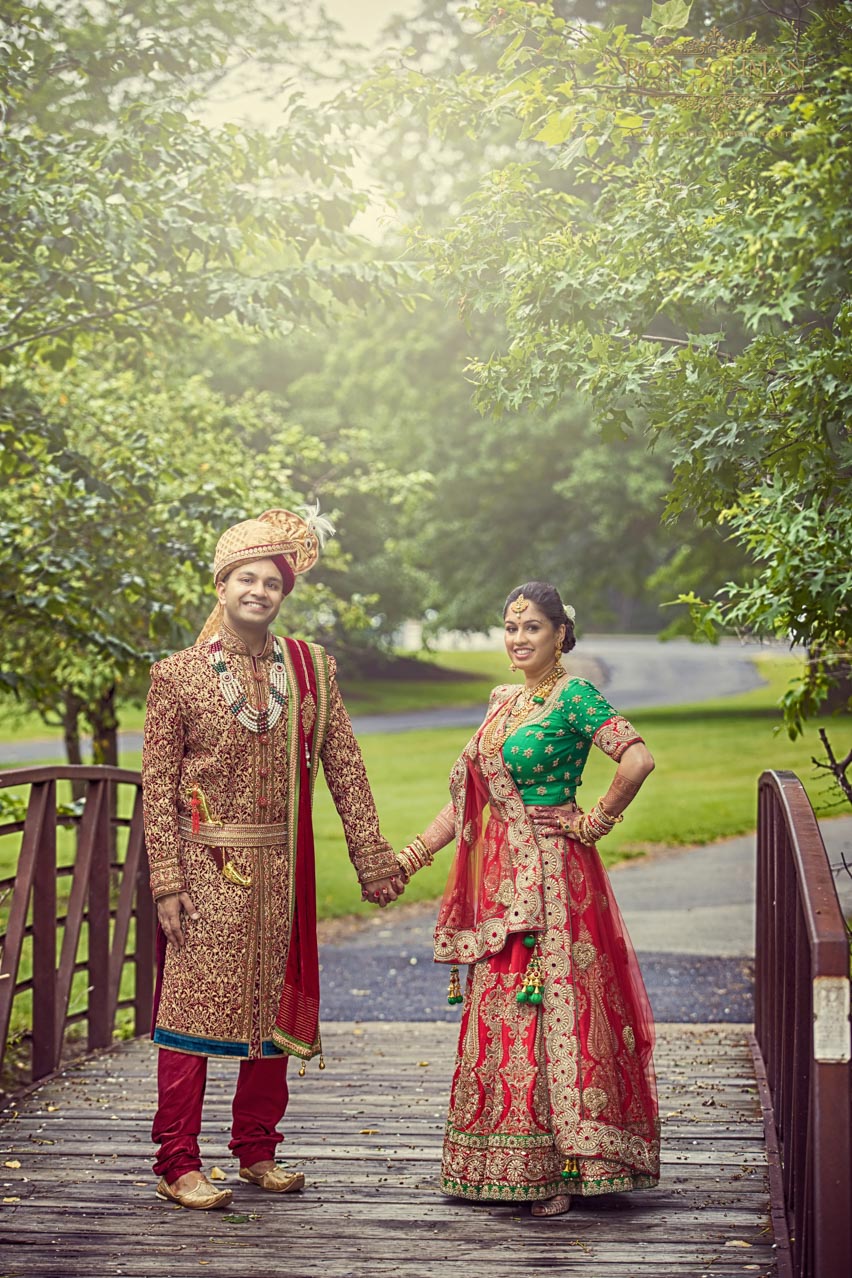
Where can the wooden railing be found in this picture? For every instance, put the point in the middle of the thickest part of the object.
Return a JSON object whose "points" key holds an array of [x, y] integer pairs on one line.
{"points": [[802, 1026], [99, 878]]}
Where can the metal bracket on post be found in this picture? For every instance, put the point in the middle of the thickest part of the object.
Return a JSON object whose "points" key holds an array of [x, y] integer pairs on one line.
{"points": [[832, 1029]]}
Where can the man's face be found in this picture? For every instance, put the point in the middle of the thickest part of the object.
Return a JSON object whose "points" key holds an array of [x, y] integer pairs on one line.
{"points": [[251, 595]]}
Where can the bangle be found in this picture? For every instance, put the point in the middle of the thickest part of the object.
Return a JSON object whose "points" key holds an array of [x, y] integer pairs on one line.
{"points": [[606, 815], [415, 856], [595, 824]]}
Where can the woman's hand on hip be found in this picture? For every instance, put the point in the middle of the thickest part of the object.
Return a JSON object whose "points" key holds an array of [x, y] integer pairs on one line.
{"points": [[552, 821]]}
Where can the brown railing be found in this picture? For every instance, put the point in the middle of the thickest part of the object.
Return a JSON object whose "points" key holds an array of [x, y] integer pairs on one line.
{"points": [[97, 875], [802, 1026]]}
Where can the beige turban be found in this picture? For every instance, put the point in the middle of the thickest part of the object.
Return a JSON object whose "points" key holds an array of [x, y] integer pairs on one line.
{"points": [[293, 541]]}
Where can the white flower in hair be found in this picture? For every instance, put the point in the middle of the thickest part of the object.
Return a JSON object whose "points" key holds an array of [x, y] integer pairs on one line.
{"points": [[321, 526], [570, 612]]}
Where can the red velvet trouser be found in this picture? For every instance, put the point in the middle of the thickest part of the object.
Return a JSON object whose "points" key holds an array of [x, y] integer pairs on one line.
{"points": [[260, 1100]]}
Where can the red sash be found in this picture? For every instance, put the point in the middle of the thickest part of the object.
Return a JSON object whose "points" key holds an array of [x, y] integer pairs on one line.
{"points": [[296, 1029]]}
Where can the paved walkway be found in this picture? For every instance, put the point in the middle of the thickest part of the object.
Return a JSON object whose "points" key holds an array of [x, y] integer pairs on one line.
{"points": [[690, 914]]}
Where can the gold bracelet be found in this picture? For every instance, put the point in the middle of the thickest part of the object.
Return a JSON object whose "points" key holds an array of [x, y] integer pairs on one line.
{"points": [[413, 857], [606, 815]]}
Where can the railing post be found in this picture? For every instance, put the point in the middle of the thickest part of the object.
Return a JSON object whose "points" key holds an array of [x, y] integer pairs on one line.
{"points": [[41, 828], [101, 1015]]}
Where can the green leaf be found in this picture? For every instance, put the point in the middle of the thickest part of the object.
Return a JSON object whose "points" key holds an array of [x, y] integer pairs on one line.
{"points": [[666, 18], [557, 128]]}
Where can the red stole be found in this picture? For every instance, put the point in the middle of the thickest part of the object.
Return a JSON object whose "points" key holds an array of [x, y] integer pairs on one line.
{"points": [[296, 1029]]}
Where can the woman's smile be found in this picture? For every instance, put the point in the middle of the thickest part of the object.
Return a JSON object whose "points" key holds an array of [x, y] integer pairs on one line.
{"points": [[531, 642]]}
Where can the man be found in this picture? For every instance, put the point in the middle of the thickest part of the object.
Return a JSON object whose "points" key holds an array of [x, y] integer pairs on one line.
{"points": [[234, 730]]}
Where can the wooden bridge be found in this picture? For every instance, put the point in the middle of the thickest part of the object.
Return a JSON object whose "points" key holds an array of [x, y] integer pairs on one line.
{"points": [[756, 1126]]}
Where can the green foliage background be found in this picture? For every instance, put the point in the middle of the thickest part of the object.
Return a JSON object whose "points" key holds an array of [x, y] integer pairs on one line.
{"points": [[602, 338]]}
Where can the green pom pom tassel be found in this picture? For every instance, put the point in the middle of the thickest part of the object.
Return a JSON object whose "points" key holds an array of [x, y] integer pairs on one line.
{"points": [[530, 940], [535, 997], [521, 996]]}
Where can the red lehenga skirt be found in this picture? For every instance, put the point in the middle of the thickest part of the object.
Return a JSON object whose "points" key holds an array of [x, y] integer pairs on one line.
{"points": [[560, 1097]]}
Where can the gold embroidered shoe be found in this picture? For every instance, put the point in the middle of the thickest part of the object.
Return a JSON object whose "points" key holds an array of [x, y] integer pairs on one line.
{"points": [[275, 1181], [202, 1196]]}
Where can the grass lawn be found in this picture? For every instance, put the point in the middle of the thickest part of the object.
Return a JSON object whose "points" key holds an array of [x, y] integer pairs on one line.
{"points": [[467, 680], [709, 757]]}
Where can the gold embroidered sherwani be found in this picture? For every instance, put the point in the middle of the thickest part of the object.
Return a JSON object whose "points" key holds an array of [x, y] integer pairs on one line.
{"points": [[221, 990]]}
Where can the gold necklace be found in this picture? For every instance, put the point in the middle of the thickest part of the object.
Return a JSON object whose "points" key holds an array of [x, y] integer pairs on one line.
{"points": [[518, 708]]}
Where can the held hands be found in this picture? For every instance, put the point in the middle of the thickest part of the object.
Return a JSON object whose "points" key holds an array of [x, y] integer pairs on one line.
{"points": [[413, 857], [170, 910], [383, 891]]}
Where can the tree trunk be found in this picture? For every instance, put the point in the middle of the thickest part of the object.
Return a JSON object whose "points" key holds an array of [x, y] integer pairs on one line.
{"points": [[71, 708], [104, 723], [101, 714]]}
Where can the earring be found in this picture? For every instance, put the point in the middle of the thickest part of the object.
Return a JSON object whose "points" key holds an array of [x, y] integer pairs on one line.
{"points": [[512, 665]]}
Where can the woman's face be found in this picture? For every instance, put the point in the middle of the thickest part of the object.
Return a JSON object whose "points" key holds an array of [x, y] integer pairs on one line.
{"points": [[531, 640]]}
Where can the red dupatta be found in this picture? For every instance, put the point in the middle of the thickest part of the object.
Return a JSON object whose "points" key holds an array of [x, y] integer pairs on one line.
{"points": [[296, 1030], [495, 883]]}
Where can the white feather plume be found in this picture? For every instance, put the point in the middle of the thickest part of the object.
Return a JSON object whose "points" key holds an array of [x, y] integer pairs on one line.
{"points": [[320, 526]]}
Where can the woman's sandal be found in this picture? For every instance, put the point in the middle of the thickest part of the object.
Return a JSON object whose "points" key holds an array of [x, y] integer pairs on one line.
{"points": [[556, 1206]]}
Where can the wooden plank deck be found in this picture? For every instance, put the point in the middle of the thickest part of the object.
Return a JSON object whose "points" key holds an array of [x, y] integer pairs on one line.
{"points": [[367, 1132]]}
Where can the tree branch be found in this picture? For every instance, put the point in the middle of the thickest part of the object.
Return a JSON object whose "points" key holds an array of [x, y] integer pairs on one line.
{"points": [[837, 767], [81, 321]]}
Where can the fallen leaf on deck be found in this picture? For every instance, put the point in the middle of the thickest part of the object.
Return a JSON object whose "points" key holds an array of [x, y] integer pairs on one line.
{"points": [[12, 1162], [369, 1131], [737, 1242], [11, 1200], [51, 1109], [423, 1064], [216, 1173]]}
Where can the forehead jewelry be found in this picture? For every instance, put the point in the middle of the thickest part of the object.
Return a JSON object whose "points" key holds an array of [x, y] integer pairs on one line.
{"points": [[520, 605]]}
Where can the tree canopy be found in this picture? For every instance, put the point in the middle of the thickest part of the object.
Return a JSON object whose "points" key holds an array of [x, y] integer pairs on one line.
{"points": [[674, 246], [629, 231]]}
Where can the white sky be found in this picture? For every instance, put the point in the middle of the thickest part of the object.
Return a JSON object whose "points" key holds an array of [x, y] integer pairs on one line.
{"points": [[362, 22], [363, 19]]}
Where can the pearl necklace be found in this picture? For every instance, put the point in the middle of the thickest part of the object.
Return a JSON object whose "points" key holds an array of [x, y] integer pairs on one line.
{"points": [[257, 721]]}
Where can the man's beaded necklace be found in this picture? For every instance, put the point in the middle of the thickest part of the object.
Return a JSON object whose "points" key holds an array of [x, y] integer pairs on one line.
{"points": [[257, 721]]}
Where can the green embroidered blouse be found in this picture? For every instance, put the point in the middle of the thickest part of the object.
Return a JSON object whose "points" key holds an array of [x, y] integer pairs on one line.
{"points": [[546, 753]]}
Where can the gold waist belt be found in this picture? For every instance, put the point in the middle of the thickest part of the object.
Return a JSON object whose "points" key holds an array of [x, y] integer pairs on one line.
{"points": [[233, 836]]}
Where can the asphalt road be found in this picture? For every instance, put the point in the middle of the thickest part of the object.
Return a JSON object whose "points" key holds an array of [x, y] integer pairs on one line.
{"points": [[690, 914], [634, 671]]}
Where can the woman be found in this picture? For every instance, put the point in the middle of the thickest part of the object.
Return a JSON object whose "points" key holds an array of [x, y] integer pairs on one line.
{"points": [[553, 1093]]}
